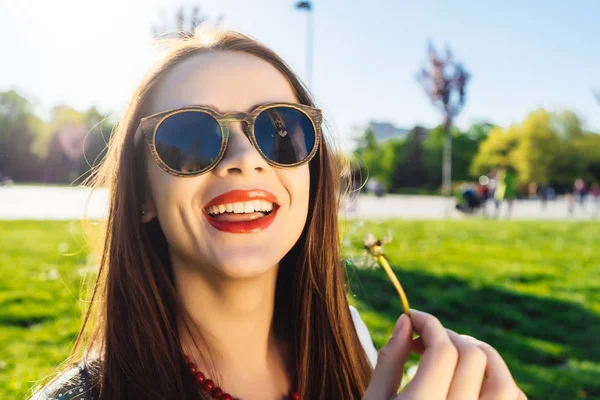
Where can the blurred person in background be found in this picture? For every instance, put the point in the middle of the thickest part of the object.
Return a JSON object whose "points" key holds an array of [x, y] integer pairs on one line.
{"points": [[545, 193], [570, 197], [595, 197], [484, 193], [579, 190], [506, 190]]}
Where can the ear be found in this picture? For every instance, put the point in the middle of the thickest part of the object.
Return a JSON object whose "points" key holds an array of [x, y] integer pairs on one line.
{"points": [[148, 211]]}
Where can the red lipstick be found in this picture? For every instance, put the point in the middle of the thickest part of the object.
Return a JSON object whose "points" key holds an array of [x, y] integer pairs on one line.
{"points": [[235, 196], [257, 222]]}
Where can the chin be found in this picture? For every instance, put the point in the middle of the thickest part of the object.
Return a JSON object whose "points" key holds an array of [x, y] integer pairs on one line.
{"points": [[246, 268], [246, 260]]}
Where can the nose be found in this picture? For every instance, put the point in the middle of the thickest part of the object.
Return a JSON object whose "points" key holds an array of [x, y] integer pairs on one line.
{"points": [[241, 158]]}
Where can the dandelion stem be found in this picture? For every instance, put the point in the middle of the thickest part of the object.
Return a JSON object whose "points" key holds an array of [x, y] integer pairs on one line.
{"points": [[388, 270], [375, 248]]}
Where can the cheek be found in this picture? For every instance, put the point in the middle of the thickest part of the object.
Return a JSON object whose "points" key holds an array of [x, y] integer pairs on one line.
{"points": [[298, 186], [166, 190], [297, 183]]}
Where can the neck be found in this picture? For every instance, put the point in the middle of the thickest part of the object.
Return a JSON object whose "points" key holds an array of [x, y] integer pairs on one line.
{"points": [[235, 317]]}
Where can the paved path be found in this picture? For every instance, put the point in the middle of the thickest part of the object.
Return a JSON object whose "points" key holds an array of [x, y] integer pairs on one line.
{"points": [[435, 207], [48, 202]]}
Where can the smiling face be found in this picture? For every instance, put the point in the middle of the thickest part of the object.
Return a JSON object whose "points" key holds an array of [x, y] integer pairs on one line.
{"points": [[275, 199]]}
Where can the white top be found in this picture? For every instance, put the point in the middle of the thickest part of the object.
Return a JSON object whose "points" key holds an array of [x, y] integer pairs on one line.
{"points": [[364, 336]]}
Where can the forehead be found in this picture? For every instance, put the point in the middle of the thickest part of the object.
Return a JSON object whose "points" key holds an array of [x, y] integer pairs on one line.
{"points": [[230, 81]]}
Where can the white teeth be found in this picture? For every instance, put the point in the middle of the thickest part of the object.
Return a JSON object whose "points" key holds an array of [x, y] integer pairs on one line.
{"points": [[241, 208], [238, 208]]}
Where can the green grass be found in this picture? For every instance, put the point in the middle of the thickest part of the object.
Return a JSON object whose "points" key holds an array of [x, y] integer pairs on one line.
{"points": [[528, 288], [39, 288]]}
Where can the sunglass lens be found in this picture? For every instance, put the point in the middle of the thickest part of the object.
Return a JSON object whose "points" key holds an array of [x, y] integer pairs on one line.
{"points": [[189, 141], [285, 135]]}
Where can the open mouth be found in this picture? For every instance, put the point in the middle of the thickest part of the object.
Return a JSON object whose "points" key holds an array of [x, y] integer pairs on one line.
{"points": [[241, 211]]}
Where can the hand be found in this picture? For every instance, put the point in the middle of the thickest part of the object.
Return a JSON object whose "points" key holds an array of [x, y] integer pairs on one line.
{"points": [[452, 367]]}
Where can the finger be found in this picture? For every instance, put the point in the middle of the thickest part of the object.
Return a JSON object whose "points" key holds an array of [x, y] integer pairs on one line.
{"points": [[521, 395], [387, 376], [438, 362], [499, 383], [417, 345], [468, 375]]}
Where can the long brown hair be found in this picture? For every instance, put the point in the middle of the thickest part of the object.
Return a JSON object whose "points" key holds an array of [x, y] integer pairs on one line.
{"points": [[133, 323]]}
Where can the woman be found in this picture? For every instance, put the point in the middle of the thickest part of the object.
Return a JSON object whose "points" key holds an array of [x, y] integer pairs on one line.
{"points": [[221, 273]]}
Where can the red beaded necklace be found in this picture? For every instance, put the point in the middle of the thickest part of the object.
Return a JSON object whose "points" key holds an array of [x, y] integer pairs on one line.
{"points": [[209, 386]]}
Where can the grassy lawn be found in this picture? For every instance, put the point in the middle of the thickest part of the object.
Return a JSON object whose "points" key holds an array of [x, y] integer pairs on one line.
{"points": [[528, 288]]}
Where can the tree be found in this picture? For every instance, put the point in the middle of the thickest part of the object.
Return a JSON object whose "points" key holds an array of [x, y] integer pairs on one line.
{"points": [[529, 148], [567, 125], [464, 148], [100, 130], [480, 131], [18, 127], [433, 147], [408, 166], [446, 86], [77, 142], [589, 148], [495, 150], [60, 150], [536, 148], [370, 155], [546, 148], [568, 162], [414, 162]]}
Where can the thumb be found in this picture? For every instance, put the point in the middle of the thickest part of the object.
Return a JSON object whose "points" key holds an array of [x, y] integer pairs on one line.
{"points": [[387, 376]]}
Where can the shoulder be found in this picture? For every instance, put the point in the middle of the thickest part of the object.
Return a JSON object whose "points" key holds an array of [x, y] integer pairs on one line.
{"points": [[74, 384], [364, 336]]}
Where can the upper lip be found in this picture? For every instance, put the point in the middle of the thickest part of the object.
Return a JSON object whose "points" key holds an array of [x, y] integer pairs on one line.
{"points": [[238, 196]]}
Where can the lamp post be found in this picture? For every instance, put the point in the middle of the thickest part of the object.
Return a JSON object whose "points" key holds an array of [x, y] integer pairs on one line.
{"points": [[307, 6]]}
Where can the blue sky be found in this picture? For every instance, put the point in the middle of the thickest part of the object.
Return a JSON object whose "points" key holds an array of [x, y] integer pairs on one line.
{"points": [[522, 55]]}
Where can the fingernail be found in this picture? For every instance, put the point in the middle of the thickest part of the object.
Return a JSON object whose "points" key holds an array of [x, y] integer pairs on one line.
{"points": [[399, 324]]}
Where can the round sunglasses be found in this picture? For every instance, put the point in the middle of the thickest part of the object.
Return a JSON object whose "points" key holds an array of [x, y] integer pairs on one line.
{"points": [[192, 140]]}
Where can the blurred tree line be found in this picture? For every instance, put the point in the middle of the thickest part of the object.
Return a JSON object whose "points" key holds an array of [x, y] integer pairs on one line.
{"points": [[64, 148], [549, 149], [59, 150], [546, 148]]}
